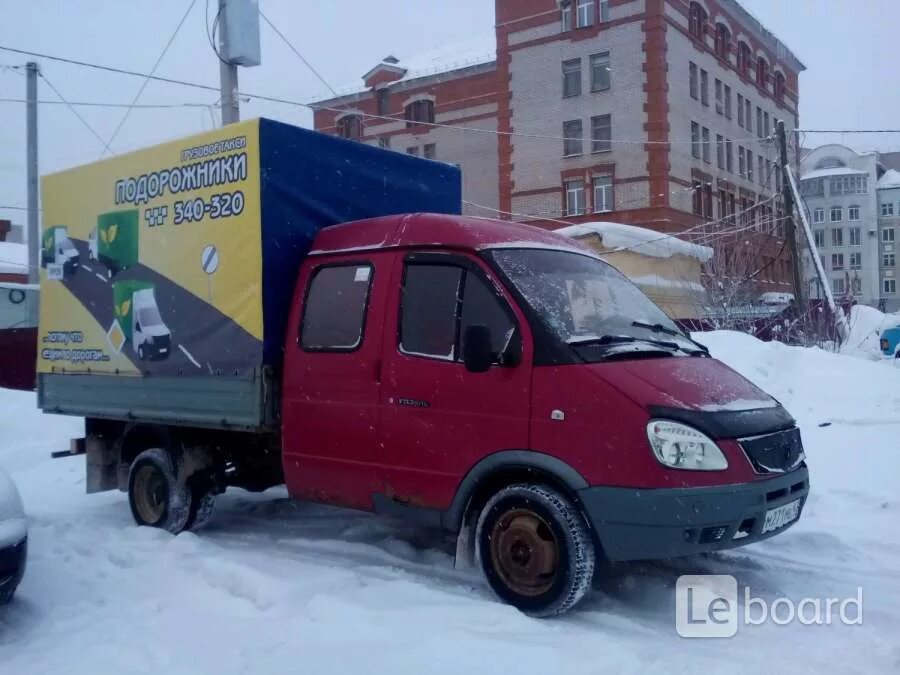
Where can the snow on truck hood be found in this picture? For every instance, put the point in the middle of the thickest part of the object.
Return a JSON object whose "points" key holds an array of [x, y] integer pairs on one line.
{"points": [[695, 383]]}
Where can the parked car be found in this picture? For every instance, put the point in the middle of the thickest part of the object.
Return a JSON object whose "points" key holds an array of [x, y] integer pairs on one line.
{"points": [[13, 538], [890, 342]]}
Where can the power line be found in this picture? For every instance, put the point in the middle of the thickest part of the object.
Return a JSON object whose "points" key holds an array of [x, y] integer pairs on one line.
{"points": [[103, 104], [147, 80], [848, 131], [308, 106], [74, 112]]}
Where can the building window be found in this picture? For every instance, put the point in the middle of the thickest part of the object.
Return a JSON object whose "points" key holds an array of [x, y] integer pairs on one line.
{"points": [[813, 187], [820, 238], [706, 144], [749, 165], [856, 285], [720, 151], [413, 150], [837, 236], [601, 133], [888, 260], [762, 72], [853, 213], [429, 150], [887, 208], [604, 10], [855, 236], [837, 214], [747, 119], [838, 287], [694, 82], [767, 130], [566, 15], [744, 58], [419, 112], [704, 87], [572, 138], [890, 286], [742, 161], [855, 261], [723, 41], [887, 235], [729, 156], [779, 87], [324, 329], [727, 102], [695, 140], [697, 198], [707, 201], [848, 185], [574, 197], [723, 204], [384, 142], [697, 20], [571, 78], [761, 166], [603, 194], [600, 71], [759, 123], [837, 261], [720, 98], [585, 13], [383, 100], [740, 103], [350, 126]]}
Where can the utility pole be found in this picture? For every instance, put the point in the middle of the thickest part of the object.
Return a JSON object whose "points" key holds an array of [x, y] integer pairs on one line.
{"points": [[31, 110], [228, 73], [790, 230]]}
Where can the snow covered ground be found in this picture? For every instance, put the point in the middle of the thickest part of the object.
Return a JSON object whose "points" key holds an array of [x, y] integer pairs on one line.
{"points": [[275, 587]]}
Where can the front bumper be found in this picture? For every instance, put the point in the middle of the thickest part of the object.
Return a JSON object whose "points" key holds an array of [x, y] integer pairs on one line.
{"points": [[12, 566], [653, 524]]}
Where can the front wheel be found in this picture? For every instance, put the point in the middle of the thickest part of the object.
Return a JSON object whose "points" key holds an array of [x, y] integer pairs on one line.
{"points": [[535, 549]]}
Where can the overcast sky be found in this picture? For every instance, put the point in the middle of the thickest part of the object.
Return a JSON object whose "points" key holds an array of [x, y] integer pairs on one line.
{"points": [[849, 49]]}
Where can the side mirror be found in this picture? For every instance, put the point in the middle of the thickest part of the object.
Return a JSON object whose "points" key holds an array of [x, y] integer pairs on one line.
{"points": [[137, 326], [477, 354]]}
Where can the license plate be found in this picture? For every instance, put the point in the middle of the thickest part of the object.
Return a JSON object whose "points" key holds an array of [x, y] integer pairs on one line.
{"points": [[778, 518]]}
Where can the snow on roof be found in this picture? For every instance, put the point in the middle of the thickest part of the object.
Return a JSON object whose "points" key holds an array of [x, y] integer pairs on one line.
{"points": [[836, 171], [617, 236], [13, 258], [474, 51], [890, 179]]}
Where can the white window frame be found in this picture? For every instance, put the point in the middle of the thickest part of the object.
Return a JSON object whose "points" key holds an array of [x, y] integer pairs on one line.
{"points": [[584, 13], [836, 209], [604, 10], [858, 232], [887, 209], [889, 286], [856, 255], [888, 260], [603, 58], [566, 14], [817, 212], [887, 235], [606, 192], [837, 237], [572, 192], [567, 139], [819, 238], [602, 145], [838, 287], [851, 210]]}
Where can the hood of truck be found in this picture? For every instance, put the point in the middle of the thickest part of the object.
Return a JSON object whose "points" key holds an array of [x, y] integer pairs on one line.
{"points": [[156, 330], [689, 383]]}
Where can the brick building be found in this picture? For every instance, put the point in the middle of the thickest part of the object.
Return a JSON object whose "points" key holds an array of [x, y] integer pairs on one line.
{"points": [[651, 112]]}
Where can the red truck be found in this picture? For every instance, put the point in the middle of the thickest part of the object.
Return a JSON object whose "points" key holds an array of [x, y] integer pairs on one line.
{"points": [[489, 378]]}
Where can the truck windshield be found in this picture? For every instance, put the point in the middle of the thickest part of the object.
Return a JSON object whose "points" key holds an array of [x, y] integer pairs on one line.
{"points": [[583, 299], [149, 316]]}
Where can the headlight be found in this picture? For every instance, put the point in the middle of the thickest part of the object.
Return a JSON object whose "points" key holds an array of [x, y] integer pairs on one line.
{"points": [[682, 447]]}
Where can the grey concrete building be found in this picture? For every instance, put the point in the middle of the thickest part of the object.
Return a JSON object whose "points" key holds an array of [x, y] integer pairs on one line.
{"points": [[853, 204]]}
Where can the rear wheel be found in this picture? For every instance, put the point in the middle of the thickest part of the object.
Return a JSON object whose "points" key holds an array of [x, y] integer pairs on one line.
{"points": [[535, 549], [156, 496]]}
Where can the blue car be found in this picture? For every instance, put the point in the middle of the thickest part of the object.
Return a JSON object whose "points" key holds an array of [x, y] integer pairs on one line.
{"points": [[13, 538], [890, 342]]}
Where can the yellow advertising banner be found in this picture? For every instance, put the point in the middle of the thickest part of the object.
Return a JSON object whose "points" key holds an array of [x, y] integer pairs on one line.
{"points": [[151, 262]]}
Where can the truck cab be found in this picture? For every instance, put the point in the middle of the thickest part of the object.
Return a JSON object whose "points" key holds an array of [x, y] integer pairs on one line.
{"points": [[495, 378]]}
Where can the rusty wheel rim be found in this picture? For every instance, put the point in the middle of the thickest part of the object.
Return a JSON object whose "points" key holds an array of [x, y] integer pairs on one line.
{"points": [[524, 552], [150, 494]]}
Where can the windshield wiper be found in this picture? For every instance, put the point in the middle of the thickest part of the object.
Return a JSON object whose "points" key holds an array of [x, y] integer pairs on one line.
{"points": [[581, 340], [657, 328]]}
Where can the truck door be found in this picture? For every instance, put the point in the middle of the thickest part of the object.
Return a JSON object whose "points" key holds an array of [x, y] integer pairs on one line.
{"points": [[438, 418], [331, 382]]}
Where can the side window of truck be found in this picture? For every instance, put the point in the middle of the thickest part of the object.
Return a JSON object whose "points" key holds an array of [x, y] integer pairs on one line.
{"points": [[439, 302], [334, 313]]}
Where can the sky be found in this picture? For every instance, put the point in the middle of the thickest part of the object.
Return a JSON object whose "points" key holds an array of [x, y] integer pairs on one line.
{"points": [[849, 50]]}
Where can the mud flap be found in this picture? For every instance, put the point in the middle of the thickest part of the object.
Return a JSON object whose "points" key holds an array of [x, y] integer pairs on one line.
{"points": [[102, 461], [464, 559]]}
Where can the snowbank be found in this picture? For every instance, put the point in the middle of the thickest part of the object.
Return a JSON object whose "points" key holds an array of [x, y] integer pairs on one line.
{"points": [[278, 587], [13, 258], [866, 324], [618, 236]]}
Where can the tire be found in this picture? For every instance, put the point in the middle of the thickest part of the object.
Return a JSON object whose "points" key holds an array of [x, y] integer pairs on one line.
{"points": [[535, 549], [156, 497], [203, 502], [6, 596]]}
